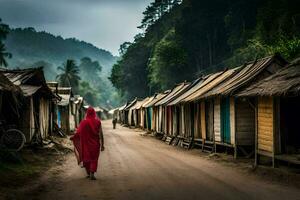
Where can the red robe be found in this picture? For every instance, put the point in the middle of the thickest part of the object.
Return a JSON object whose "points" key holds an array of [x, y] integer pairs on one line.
{"points": [[87, 141]]}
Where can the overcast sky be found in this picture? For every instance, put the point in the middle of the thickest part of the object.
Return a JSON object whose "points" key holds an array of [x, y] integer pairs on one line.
{"points": [[104, 23]]}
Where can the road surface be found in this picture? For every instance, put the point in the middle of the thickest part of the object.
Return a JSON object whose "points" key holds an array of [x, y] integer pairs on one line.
{"points": [[138, 167]]}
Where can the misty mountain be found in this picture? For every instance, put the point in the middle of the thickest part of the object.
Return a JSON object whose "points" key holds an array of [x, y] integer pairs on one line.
{"points": [[30, 47]]}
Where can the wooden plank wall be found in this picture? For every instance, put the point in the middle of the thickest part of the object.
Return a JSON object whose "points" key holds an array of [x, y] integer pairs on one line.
{"points": [[217, 119], [265, 124], [209, 120], [182, 125], [245, 123], [197, 120], [174, 121], [203, 124]]}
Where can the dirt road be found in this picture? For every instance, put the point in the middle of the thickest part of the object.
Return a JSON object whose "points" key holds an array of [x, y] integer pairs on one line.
{"points": [[138, 167]]}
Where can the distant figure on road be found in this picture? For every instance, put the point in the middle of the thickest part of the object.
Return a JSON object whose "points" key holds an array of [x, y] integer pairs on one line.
{"points": [[114, 121], [88, 142]]}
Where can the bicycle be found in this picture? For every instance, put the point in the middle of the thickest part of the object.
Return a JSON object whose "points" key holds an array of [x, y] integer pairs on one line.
{"points": [[11, 139]]}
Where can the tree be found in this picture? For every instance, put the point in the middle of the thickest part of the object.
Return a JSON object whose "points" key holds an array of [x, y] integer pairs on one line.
{"points": [[90, 70], [4, 29], [167, 61], [69, 76], [3, 55]]}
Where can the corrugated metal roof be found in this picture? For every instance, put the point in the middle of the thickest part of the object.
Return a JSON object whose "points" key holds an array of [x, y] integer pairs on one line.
{"points": [[246, 74], [123, 107], [180, 87], [209, 84], [139, 104], [157, 98], [148, 101], [131, 104], [192, 88]]}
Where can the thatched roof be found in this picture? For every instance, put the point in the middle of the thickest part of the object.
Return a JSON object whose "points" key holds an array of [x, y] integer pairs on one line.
{"points": [[285, 82]]}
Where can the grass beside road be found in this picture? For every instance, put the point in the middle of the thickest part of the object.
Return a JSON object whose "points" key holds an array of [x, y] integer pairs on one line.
{"points": [[19, 170]]}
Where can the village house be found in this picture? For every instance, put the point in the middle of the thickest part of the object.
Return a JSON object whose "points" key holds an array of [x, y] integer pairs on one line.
{"points": [[277, 108], [36, 106], [167, 114]]}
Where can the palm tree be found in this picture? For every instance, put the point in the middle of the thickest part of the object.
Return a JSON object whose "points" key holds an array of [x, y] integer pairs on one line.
{"points": [[3, 55], [69, 76]]}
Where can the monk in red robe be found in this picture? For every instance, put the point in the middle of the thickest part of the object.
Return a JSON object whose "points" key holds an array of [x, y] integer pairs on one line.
{"points": [[88, 141]]}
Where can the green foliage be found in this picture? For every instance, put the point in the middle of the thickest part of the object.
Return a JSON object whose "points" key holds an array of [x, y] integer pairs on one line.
{"points": [[36, 49], [168, 60], [196, 37], [4, 30], [69, 76], [88, 93]]}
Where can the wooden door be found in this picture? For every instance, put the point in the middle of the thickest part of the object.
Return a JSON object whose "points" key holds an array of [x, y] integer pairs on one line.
{"points": [[225, 120]]}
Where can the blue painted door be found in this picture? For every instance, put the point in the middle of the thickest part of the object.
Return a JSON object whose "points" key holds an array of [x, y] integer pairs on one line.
{"points": [[149, 118], [225, 120]]}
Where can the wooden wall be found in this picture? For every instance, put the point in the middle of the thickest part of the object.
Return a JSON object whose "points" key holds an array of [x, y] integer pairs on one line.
{"points": [[217, 119], [197, 121], [203, 125], [265, 124], [245, 123], [209, 120]]}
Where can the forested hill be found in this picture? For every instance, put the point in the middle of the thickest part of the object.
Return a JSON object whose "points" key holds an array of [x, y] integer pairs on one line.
{"points": [[183, 40], [29, 46]]}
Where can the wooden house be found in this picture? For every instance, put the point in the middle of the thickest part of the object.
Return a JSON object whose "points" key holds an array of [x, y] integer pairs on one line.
{"points": [[65, 120], [167, 114], [122, 113], [128, 113], [37, 105], [138, 116], [234, 118], [77, 110], [156, 113], [277, 118], [179, 114], [199, 115], [145, 119], [10, 102]]}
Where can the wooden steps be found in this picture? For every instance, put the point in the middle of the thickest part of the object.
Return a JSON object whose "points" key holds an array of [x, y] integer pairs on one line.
{"points": [[169, 140]]}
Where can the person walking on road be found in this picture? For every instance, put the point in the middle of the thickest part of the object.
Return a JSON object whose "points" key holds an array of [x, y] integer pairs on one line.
{"points": [[88, 141], [114, 121]]}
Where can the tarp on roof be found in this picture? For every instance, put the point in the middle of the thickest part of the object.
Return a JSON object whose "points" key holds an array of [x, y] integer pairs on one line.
{"points": [[244, 76], [29, 77], [6, 84], [285, 82], [29, 90], [175, 91], [208, 85]]}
